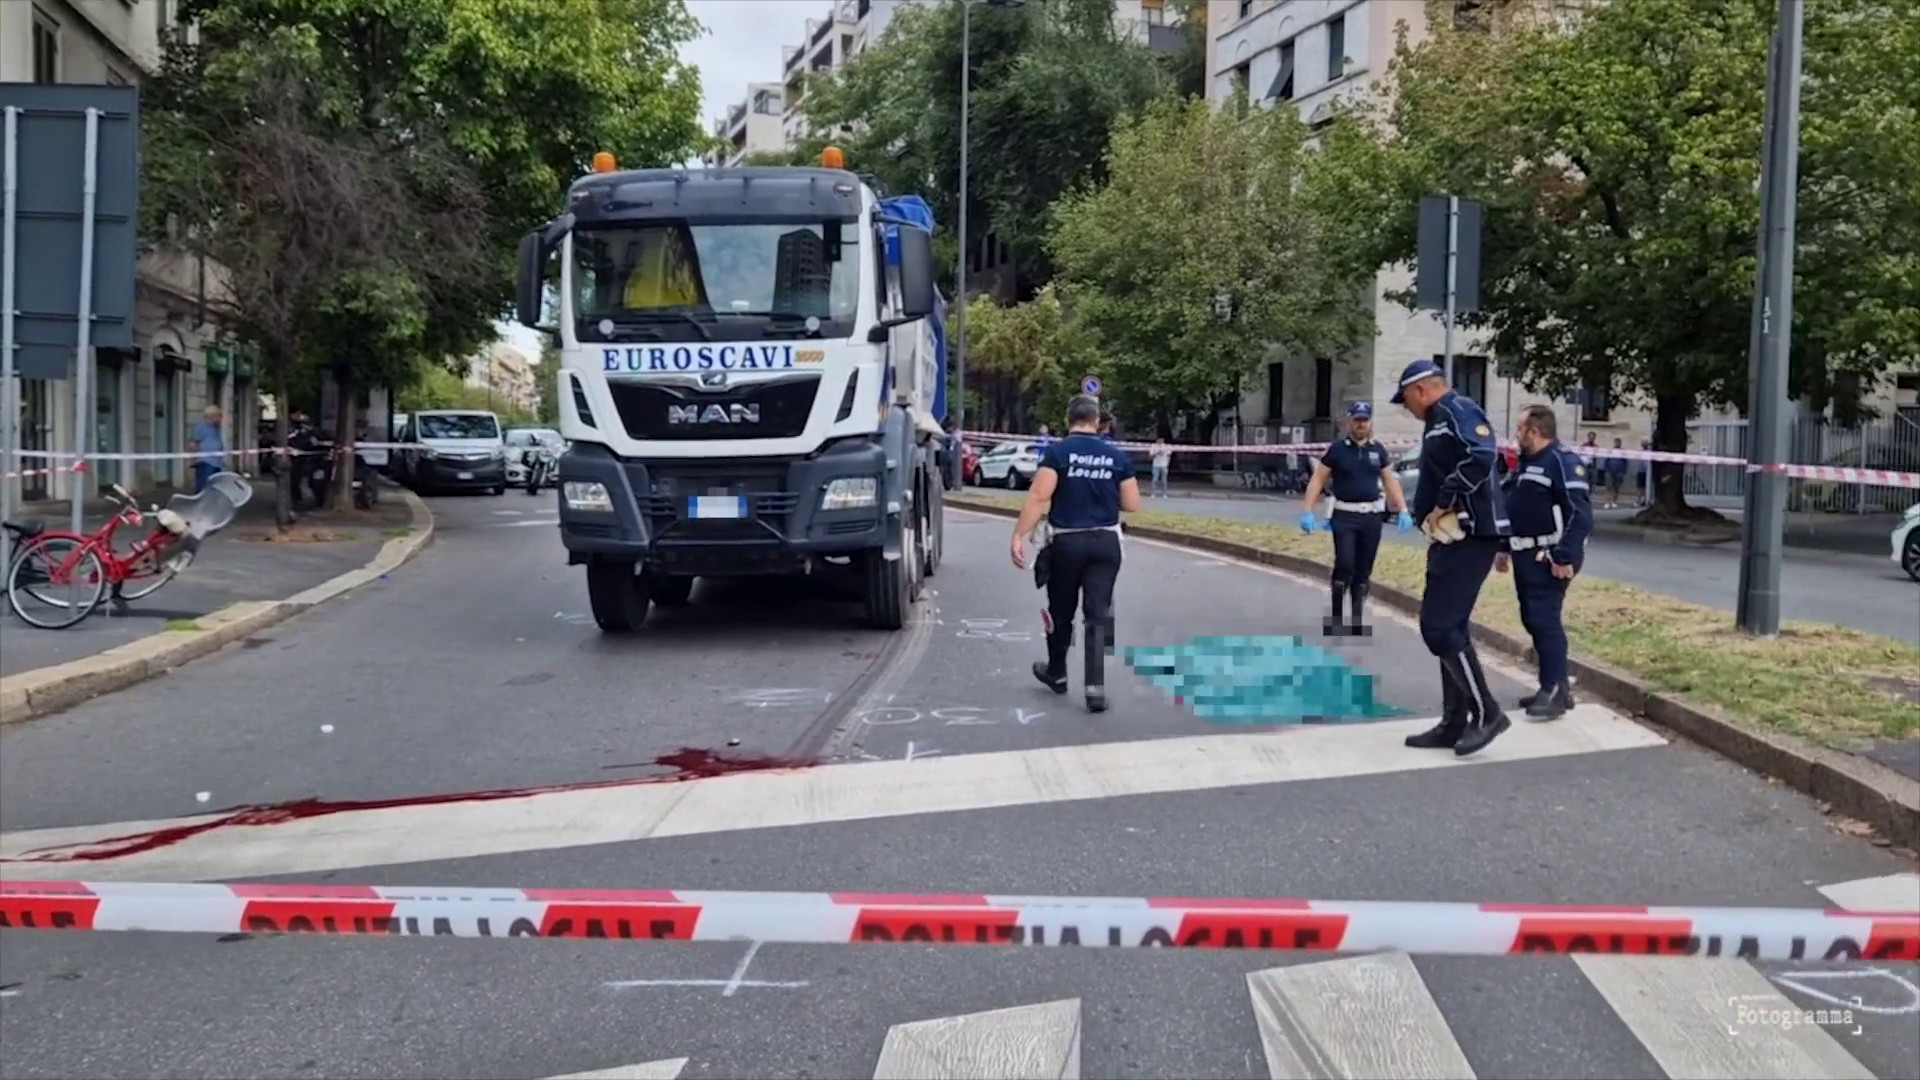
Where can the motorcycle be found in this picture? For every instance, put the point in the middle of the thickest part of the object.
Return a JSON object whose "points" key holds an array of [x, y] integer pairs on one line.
{"points": [[541, 463]]}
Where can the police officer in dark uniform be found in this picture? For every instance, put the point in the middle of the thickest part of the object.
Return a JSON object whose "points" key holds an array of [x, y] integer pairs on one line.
{"points": [[1355, 468], [1082, 485], [1550, 506], [1461, 509]]}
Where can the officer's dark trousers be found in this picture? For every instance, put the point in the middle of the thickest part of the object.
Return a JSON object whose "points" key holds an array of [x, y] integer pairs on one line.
{"points": [[1085, 566], [1356, 541], [1541, 598], [1455, 573]]}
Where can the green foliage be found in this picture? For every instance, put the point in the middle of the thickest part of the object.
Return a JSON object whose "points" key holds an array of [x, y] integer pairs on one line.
{"points": [[1033, 344], [546, 375], [1619, 164], [1049, 82], [437, 388], [1200, 204]]}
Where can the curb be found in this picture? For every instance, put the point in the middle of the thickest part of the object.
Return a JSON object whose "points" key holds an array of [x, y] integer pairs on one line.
{"points": [[1863, 790], [52, 689]]}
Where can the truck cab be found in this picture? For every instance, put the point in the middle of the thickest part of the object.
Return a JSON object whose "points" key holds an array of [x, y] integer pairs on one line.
{"points": [[751, 381]]}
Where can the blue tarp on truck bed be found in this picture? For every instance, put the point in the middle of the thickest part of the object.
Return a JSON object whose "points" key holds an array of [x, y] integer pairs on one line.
{"points": [[913, 212]]}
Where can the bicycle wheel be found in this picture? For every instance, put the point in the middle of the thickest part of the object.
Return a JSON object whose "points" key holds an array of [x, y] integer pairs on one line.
{"points": [[41, 573], [135, 588]]}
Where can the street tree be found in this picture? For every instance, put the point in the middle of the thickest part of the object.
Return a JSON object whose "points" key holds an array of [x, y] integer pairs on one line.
{"points": [[1033, 348], [1619, 160], [1049, 82], [1198, 257]]}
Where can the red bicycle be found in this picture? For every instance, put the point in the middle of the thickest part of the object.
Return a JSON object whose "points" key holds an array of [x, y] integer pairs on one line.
{"points": [[86, 566]]}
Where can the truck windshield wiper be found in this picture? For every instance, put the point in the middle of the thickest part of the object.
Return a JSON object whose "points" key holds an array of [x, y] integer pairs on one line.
{"points": [[651, 320]]}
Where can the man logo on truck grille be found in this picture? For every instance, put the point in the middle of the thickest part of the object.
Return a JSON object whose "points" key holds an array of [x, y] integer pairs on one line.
{"points": [[736, 413]]}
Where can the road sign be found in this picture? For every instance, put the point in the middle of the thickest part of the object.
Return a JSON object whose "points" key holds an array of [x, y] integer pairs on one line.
{"points": [[50, 158], [1090, 385]]}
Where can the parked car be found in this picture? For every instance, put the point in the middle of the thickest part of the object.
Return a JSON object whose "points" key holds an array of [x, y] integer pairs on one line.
{"points": [[456, 449], [1906, 542], [520, 440], [1010, 465], [969, 463]]}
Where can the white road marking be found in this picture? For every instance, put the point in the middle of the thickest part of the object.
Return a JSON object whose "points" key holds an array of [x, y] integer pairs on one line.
{"points": [[830, 793], [1757, 1033], [1361, 1018], [1894, 892], [722, 984], [1028, 1042], [740, 972], [666, 1069], [551, 523]]}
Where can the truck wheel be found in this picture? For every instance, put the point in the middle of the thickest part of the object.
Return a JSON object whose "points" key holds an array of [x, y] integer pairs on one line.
{"points": [[670, 591], [936, 527], [617, 595], [892, 587]]}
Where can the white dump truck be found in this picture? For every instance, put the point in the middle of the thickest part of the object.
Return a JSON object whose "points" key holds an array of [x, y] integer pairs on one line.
{"points": [[753, 377]]}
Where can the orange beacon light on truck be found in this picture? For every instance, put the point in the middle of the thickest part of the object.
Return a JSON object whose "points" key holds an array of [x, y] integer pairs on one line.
{"points": [[603, 162], [832, 158]]}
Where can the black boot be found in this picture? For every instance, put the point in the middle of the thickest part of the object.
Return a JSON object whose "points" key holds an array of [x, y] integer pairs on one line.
{"points": [[1549, 704], [1096, 685], [1491, 721], [1360, 628], [1052, 672], [1453, 718], [1334, 625]]}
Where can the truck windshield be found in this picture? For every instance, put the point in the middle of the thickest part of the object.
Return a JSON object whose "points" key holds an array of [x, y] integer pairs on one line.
{"points": [[682, 276]]}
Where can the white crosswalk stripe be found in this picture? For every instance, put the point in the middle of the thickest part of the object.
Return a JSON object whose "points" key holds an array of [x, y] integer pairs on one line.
{"points": [[1375, 1017]]}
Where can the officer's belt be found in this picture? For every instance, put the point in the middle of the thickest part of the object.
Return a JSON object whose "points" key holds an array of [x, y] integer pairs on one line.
{"points": [[1377, 506], [1528, 543]]}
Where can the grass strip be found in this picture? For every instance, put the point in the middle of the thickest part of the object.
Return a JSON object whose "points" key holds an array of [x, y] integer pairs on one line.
{"points": [[1831, 684]]}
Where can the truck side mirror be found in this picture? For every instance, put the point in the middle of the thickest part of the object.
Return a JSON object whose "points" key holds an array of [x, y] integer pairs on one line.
{"points": [[916, 273], [531, 286]]}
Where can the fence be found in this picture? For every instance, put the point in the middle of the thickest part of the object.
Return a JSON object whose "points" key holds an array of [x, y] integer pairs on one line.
{"points": [[1891, 443]]}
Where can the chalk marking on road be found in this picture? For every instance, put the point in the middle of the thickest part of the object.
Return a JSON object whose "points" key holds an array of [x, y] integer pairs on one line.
{"points": [[1363, 1018], [1023, 1042], [1668, 1006], [9, 993], [950, 715], [509, 513], [551, 523], [780, 697], [844, 792], [1024, 717], [1798, 980], [911, 756], [665, 1069]]}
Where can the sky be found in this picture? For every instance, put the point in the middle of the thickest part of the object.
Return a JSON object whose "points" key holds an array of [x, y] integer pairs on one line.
{"points": [[740, 43]]}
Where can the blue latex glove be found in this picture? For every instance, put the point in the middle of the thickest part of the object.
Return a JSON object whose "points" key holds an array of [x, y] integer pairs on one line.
{"points": [[1404, 521], [1306, 522]]}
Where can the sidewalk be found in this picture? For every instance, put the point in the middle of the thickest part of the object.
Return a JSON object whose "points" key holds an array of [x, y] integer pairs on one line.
{"points": [[1857, 534], [236, 565]]}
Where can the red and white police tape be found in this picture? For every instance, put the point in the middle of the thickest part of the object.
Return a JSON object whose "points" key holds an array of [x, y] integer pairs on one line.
{"points": [[80, 462], [853, 918], [1840, 474]]}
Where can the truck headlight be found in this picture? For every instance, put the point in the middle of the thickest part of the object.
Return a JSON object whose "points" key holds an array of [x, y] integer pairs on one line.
{"points": [[586, 495], [850, 493]]}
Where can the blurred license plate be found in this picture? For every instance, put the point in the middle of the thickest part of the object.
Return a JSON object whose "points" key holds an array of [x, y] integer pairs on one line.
{"points": [[725, 507], [465, 475]]}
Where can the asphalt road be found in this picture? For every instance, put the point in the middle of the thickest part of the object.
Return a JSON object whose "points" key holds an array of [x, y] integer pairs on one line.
{"points": [[940, 766], [1863, 591]]}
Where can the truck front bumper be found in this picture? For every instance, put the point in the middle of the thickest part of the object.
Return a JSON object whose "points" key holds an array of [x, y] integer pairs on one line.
{"points": [[718, 517]]}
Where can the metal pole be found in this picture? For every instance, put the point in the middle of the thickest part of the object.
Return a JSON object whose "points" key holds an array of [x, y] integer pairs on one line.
{"points": [[1764, 534], [9, 400], [960, 326], [83, 345], [1453, 280]]}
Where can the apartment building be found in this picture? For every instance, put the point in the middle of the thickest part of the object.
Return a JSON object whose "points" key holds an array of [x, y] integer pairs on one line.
{"points": [[508, 376], [753, 126], [1315, 55], [145, 398]]}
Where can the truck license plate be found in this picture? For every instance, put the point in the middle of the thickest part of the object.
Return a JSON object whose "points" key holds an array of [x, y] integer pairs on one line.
{"points": [[722, 507], [465, 476]]}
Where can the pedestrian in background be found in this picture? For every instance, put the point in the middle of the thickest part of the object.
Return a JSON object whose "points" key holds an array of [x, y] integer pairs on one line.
{"points": [[1550, 507], [1616, 474], [1460, 508], [1355, 468], [1082, 485], [1162, 464], [209, 446]]}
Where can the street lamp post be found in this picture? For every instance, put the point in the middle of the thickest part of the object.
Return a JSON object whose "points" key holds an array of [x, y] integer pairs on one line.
{"points": [[966, 93]]}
